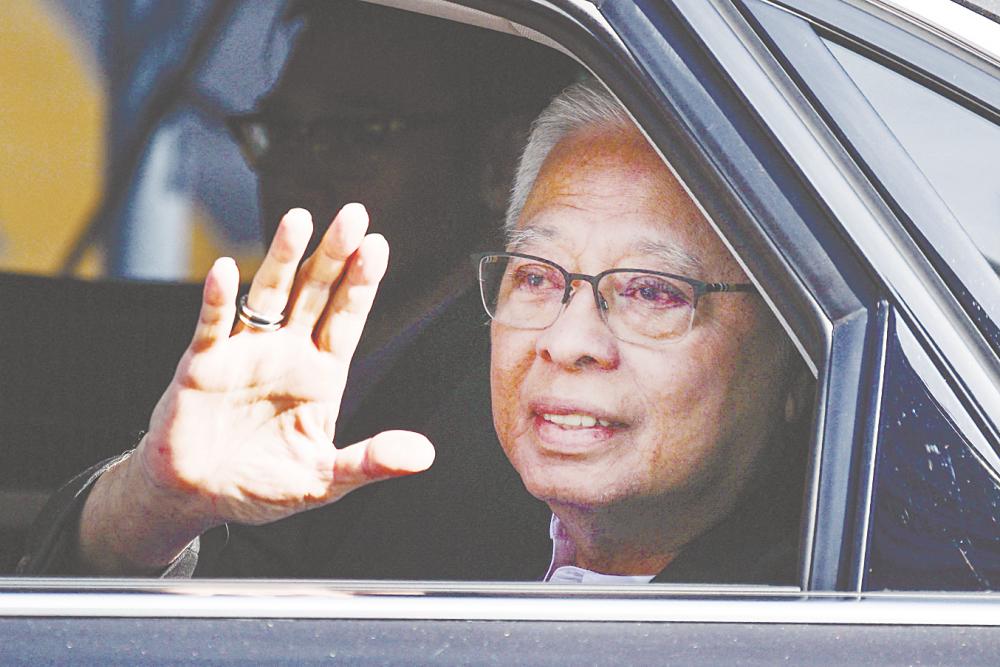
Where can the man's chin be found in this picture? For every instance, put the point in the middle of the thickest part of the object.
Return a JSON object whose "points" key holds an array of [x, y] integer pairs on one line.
{"points": [[573, 492]]}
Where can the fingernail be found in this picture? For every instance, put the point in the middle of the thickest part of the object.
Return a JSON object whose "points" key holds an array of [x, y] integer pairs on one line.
{"points": [[356, 208], [299, 213]]}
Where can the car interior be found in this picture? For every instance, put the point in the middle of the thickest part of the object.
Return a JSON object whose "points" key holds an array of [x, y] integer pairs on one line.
{"points": [[432, 146]]}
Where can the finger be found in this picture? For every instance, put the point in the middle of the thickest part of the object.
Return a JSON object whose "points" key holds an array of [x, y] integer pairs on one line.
{"points": [[344, 319], [218, 304], [324, 268], [383, 456], [273, 280]]}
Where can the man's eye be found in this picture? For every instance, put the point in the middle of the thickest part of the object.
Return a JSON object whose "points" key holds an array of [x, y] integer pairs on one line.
{"points": [[653, 292], [537, 278]]}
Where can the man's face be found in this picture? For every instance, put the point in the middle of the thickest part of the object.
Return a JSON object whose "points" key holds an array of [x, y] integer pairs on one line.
{"points": [[367, 69], [689, 420]]}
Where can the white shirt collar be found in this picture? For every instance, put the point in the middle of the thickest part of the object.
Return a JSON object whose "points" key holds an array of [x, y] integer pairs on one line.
{"points": [[561, 568]]}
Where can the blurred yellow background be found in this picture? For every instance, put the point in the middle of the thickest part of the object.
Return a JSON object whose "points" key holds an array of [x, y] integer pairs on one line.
{"points": [[51, 139], [52, 125]]}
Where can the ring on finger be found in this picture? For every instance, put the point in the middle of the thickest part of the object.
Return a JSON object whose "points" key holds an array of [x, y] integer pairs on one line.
{"points": [[257, 320]]}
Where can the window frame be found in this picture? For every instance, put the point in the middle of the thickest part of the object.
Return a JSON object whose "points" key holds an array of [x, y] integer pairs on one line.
{"points": [[926, 59], [959, 337]]}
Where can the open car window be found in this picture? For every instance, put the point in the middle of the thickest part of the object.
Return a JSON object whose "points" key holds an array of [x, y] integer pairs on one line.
{"points": [[436, 150], [432, 144]]}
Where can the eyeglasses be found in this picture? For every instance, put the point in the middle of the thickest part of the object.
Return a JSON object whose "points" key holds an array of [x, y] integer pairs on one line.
{"points": [[638, 306], [262, 135]]}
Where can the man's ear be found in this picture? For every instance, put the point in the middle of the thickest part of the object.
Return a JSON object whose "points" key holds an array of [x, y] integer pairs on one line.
{"points": [[801, 392]]}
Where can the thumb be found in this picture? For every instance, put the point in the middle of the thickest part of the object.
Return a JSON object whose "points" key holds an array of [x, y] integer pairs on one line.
{"points": [[388, 454]]}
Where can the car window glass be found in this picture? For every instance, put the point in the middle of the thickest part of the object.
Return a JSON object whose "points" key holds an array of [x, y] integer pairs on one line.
{"points": [[954, 147], [936, 496]]}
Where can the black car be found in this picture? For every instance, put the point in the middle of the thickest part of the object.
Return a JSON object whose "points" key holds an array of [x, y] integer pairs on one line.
{"points": [[845, 151]]}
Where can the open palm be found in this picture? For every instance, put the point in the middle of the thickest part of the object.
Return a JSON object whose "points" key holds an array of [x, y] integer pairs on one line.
{"points": [[247, 424]]}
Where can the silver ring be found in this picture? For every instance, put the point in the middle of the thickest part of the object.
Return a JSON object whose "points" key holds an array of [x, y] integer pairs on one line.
{"points": [[259, 321]]}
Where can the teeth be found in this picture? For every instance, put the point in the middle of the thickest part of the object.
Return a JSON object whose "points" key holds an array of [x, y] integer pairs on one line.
{"points": [[580, 420]]}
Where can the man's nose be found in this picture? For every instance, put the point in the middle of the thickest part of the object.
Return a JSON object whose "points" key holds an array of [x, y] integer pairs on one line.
{"points": [[579, 338]]}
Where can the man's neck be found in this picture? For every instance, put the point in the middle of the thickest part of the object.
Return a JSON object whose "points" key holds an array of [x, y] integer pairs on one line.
{"points": [[628, 541]]}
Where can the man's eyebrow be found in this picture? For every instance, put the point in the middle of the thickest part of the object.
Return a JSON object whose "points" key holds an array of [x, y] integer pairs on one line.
{"points": [[669, 257], [673, 259], [518, 239]]}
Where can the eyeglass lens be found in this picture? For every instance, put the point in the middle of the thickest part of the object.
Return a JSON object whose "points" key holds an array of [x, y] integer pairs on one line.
{"points": [[637, 306]]}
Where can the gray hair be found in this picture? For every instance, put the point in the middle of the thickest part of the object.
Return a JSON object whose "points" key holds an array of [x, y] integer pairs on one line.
{"points": [[582, 105]]}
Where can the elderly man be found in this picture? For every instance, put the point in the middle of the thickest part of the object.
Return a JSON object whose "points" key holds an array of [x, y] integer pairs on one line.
{"points": [[640, 389]]}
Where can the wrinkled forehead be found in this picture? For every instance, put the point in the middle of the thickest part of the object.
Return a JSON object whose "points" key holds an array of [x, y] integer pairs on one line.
{"points": [[606, 195], [635, 246]]}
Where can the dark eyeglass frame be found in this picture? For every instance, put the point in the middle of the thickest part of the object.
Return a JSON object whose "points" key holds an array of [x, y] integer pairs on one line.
{"points": [[699, 287], [241, 128]]}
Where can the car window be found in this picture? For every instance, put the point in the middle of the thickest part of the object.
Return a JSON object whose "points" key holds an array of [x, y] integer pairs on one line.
{"points": [[440, 137], [936, 492], [877, 81], [952, 145]]}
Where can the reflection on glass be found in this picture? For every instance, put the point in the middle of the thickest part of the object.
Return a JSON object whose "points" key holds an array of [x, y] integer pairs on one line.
{"points": [[955, 148], [936, 503]]}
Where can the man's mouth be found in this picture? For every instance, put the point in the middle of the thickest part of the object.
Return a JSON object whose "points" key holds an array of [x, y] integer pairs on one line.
{"points": [[573, 428], [576, 420]]}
